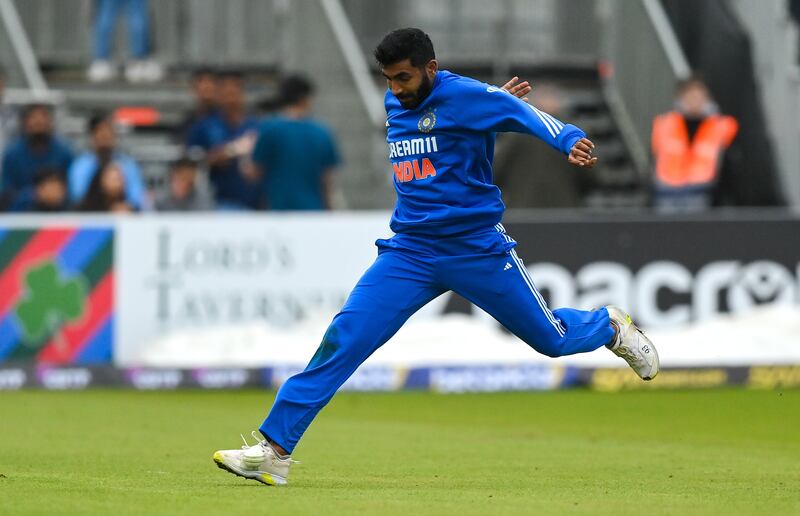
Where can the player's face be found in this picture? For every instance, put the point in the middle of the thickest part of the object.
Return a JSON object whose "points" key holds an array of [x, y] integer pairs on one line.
{"points": [[410, 84]]}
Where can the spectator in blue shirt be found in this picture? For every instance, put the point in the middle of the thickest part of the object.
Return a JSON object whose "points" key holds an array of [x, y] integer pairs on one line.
{"points": [[48, 193], [205, 93], [294, 154], [104, 150], [36, 148], [226, 138]]}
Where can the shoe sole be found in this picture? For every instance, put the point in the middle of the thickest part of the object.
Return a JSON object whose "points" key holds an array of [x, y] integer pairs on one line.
{"points": [[264, 478]]}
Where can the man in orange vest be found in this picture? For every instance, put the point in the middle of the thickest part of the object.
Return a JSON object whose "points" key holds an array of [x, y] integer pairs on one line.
{"points": [[688, 146]]}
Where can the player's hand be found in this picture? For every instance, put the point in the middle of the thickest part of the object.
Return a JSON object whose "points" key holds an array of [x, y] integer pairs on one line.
{"points": [[581, 154], [518, 90]]}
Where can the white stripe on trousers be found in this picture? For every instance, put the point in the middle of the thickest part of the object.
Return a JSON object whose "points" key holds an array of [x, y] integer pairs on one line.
{"points": [[529, 281], [552, 318]]}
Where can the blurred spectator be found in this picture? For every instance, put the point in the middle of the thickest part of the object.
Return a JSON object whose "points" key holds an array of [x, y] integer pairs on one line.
{"points": [[527, 172], [296, 155], [183, 194], [8, 115], [36, 148], [141, 68], [688, 146], [107, 191], [103, 141], [48, 193], [204, 91], [226, 137]]}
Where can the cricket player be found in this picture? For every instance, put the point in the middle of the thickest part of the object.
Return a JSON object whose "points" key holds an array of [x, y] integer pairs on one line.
{"points": [[448, 236]]}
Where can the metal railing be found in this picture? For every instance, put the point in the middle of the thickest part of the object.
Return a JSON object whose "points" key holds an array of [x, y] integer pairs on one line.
{"points": [[184, 32], [476, 31], [775, 52], [250, 32], [371, 96], [645, 62], [20, 48]]}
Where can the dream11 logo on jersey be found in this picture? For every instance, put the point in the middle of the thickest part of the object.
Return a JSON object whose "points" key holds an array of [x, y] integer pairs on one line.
{"points": [[413, 169], [667, 293]]}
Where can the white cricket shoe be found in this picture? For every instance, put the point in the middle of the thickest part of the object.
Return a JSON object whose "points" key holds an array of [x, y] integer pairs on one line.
{"points": [[259, 462], [632, 345]]}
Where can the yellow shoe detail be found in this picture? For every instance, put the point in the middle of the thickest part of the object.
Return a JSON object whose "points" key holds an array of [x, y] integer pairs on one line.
{"points": [[218, 458], [267, 479]]}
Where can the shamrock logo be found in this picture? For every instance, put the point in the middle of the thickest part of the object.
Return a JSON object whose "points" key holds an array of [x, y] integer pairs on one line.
{"points": [[49, 303]]}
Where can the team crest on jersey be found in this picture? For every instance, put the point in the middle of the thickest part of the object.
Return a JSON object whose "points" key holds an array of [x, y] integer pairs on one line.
{"points": [[427, 122]]}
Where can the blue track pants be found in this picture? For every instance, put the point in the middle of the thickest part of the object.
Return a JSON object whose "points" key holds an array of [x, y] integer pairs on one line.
{"points": [[408, 273]]}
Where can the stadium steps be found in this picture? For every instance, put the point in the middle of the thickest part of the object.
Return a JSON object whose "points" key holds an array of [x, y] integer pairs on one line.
{"points": [[614, 183], [153, 146]]}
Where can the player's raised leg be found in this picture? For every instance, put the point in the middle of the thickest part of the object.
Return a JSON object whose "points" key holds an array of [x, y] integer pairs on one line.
{"points": [[500, 285], [397, 285]]}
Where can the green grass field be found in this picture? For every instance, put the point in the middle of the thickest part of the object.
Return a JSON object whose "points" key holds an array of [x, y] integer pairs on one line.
{"points": [[698, 452]]}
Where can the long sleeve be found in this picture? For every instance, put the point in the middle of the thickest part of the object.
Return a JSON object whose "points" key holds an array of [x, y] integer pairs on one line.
{"points": [[488, 108]]}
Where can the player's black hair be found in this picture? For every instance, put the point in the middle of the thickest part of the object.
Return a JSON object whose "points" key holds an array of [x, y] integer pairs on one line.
{"points": [[294, 89], [96, 120], [181, 163], [400, 44]]}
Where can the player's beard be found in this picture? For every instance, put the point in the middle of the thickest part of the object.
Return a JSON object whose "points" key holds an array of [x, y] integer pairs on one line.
{"points": [[422, 93]]}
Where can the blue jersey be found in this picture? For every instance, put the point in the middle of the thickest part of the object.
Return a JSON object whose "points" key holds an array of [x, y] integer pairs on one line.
{"points": [[441, 153]]}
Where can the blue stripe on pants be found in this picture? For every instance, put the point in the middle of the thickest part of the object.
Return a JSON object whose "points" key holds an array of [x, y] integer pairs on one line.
{"points": [[400, 282]]}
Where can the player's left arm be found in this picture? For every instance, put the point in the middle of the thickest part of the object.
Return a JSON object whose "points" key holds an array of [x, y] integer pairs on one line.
{"points": [[492, 109]]}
